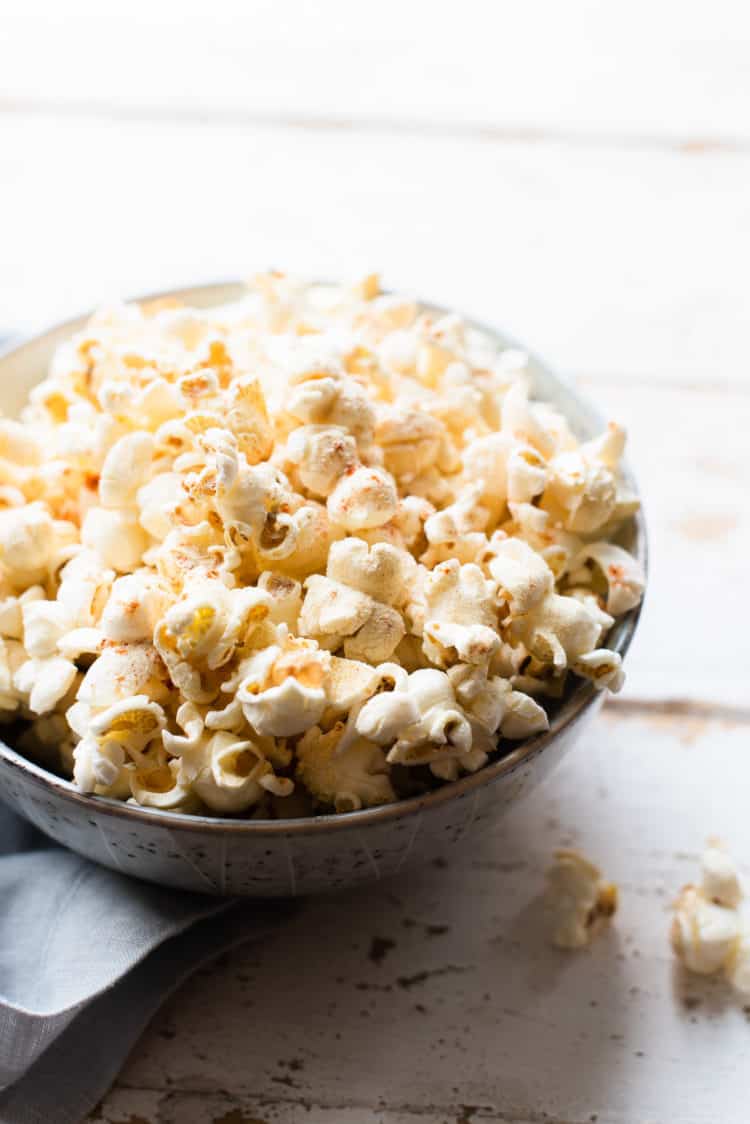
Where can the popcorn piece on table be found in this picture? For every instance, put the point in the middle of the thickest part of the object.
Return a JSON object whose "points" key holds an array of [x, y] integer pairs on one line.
{"points": [[582, 901], [709, 932]]}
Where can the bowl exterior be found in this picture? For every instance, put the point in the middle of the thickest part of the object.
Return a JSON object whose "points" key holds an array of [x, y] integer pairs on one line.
{"points": [[274, 859]]}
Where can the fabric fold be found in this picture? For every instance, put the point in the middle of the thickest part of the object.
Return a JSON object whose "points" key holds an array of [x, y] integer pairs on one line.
{"points": [[86, 958]]}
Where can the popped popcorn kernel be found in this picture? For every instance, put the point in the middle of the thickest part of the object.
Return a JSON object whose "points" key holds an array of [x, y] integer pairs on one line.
{"points": [[710, 930], [582, 901]]}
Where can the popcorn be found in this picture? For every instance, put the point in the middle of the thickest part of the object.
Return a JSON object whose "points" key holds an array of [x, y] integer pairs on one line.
{"points": [[365, 498], [582, 902], [236, 775], [522, 575], [579, 494], [133, 608], [354, 778], [45, 681], [422, 715], [271, 555], [460, 618], [322, 454], [710, 933], [202, 631], [282, 687], [32, 544], [379, 572], [558, 631], [284, 598], [12, 658], [411, 440], [125, 469], [622, 572], [336, 616], [116, 536]]}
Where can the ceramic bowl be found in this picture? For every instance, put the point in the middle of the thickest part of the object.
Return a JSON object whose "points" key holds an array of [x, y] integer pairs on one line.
{"points": [[275, 858]]}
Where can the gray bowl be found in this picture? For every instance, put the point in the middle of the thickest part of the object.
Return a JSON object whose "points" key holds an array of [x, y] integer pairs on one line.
{"points": [[273, 858]]}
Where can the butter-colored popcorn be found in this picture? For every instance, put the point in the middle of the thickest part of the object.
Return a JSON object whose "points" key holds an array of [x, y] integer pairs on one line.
{"points": [[581, 900], [380, 571], [354, 778], [526, 474], [282, 687], [200, 633], [411, 440], [336, 615], [32, 544], [460, 619], [300, 542], [156, 784], [113, 737], [463, 517], [710, 932], [523, 577], [580, 494], [121, 671], [11, 611], [622, 572], [12, 657], [322, 455], [116, 536], [363, 499], [236, 775], [559, 630], [135, 604], [284, 598], [523, 717], [602, 667], [125, 469], [332, 399], [422, 719], [157, 502], [720, 882], [84, 588]]}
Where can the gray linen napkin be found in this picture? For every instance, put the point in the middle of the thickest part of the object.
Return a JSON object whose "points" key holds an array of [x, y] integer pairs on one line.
{"points": [[86, 958]]}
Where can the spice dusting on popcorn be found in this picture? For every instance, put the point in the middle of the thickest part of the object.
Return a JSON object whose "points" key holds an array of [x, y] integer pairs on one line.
{"points": [[308, 551]]}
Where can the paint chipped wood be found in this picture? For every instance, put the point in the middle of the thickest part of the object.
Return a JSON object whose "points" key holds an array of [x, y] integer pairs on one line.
{"points": [[471, 1005]]}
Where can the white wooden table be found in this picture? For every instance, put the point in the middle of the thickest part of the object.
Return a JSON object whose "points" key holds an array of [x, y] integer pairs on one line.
{"points": [[579, 173]]}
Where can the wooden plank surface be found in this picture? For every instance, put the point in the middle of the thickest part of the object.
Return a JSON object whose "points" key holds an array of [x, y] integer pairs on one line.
{"points": [[590, 71], [608, 262], [469, 1006]]}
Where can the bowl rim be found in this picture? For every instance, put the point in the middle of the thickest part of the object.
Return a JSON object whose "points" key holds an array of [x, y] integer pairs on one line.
{"points": [[583, 697]]}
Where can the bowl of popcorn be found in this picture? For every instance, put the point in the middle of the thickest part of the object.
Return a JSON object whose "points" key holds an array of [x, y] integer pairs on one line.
{"points": [[299, 582]]}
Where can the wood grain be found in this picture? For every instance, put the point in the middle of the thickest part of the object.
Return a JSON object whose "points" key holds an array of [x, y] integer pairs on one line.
{"points": [[597, 73], [469, 1005], [609, 263]]}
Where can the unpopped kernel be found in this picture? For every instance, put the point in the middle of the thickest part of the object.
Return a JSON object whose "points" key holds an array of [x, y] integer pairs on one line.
{"points": [[320, 543]]}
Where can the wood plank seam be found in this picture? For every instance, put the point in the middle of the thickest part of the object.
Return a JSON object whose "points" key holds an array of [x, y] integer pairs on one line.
{"points": [[686, 143], [460, 1111], [676, 707]]}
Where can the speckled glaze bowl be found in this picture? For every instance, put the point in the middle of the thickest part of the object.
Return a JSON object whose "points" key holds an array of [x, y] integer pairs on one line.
{"points": [[275, 858]]}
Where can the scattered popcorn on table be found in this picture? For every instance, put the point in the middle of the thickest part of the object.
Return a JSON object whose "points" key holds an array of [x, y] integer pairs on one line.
{"points": [[710, 933], [319, 546], [582, 901]]}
